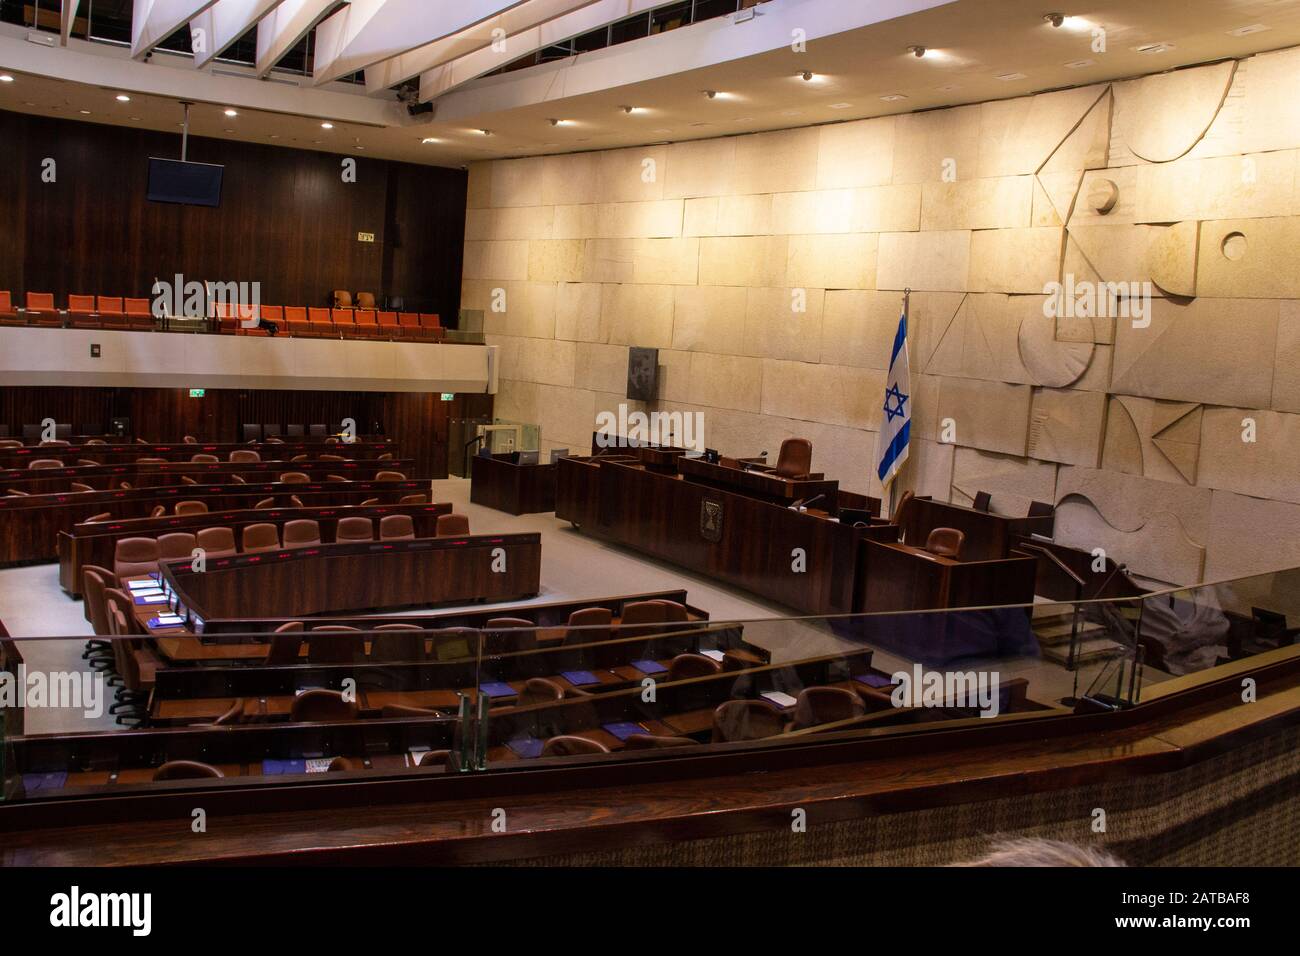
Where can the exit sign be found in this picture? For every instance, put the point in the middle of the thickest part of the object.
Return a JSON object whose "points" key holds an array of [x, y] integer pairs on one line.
{"points": [[196, 393], [448, 396]]}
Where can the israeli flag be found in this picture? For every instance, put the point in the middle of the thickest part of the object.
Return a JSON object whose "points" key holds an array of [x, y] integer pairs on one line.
{"points": [[896, 427]]}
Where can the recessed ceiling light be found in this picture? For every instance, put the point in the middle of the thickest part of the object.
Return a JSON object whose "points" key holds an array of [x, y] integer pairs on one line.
{"points": [[1079, 64], [561, 122], [711, 94], [429, 139], [275, 136], [326, 125], [1008, 77], [1153, 48], [230, 131], [916, 51], [792, 112], [232, 113], [839, 106], [892, 97], [484, 132], [28, 103], [315, 142], [359, 146], [1055, 19], [84, 112], [123, 98], [633, 109], [1247, 31], [808, 76], [135, 119], [6, 78]]}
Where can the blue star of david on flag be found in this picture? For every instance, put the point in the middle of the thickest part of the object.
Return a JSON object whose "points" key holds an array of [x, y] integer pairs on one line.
{"points": [[897, 398], [896, 429]]}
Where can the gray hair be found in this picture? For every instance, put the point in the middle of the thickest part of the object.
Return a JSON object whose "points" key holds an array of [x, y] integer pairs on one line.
{"points": [[1033, 851]]}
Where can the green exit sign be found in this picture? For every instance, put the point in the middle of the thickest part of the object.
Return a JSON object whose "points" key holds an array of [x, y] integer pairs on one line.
{"points": [[448, 396], [196, 393]]}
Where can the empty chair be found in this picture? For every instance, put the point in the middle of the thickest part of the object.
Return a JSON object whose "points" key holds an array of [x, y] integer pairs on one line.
{"points": [[517, 642], [451, 525], [108, 305], [396, 528], [244, 455], [354, 528], [78, 486], [369, 501], [102, 516], [204, 459], [190, 440], [387, 322], [138, 313], [335, 478], [413, 500], [323, 706], [366, 323], [330, 458], [318, 321], [135, 556], [217, 542], [334, 644], [397, 642], [40, 464], [285, 643], [386, 456], [238, 480], [823, 705], [296, 501], [252, 432], [267, 503], [176, 545], [301, 533], [342, 299], [40, 301], [271, 431], [588, 625], [649, 617], [435, 758], [234, 713], [316, 431], [389, 476], [259, 537], [295, 320], [655, 742], [795, 458], [899, 511], [746, 720], [365, 300], [298, 458], [568, 746], [685, 666], [191, 507], [81, 303], [186, 770], [294, 478], [945, 542], [158, 511], [540, 690], [982, 501]]}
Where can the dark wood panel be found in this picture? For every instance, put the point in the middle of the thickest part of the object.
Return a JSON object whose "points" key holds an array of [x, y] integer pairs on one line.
{"points": [[287, 219]]}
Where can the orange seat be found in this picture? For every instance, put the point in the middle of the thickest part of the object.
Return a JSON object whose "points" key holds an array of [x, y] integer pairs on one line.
{"points": [[295, 320], [344, 319], [366, 323], [40, 301], [109, 305], [137, 307], [81, 303], [387, 322], [273, 313], [319, 320]]}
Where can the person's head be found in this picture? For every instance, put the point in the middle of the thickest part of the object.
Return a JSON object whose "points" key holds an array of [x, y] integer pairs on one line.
{"points": [[1032, 851]]}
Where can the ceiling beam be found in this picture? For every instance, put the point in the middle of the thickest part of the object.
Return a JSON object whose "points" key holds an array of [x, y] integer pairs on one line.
{"points": [[440, 79], [388, 73], [369, 31], [282, 29], [153, 21], [214, 30]]}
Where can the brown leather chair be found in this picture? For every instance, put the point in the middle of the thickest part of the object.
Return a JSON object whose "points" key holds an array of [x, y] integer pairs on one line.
{"points": [[342, 299], [135, 556], [451, 525], [540, 690], [365, 300], [261, 537], [78, 486], [323, 706], [795, 458], [186, 770], [498, 641], [216, 542], [654, 742], [238, 480], [397, 642], [245, 455], [204, 459], [285, 644], [354, 528], [945, 542], [823, 705], [389, 476], [746, 720], [187, 480], [40, 464], [593, 624], [342, 764], [191, 507], [568, 746], [335, 644], [102, 516], [233, 715], [189, 440], [685, 666], [176, 545], [335, 478], [94, 582], [648, 617], [413, 500], [296, 502], [264, 503], [158, 511], [294, 478], [899, 514], [328, 457], [369, 501], [435, 758], [301, 533], [396, 528]]}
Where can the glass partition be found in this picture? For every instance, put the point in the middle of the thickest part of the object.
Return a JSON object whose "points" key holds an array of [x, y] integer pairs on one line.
{"points": [[471, 690]]}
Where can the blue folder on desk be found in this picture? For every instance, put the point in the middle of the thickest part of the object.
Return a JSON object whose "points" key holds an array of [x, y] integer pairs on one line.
{"points": [[625, 729], [649, 667], [272, 768], [44, 781], [580, 678], [526, 747], [498, 689], [160, 599], [874, 680]]}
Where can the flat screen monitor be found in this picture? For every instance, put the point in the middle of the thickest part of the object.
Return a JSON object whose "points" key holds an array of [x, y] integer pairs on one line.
{"points": [[190, 184]]}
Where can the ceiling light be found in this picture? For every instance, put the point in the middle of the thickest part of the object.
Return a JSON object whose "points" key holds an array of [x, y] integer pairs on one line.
{"points": [[123, 98], [892, 97], [1055, 19], [326, 125], [428, 139], [231, 113], [84, 112], [561, 122], [485, 132], [6, 78], [807, 75], [359, 146], [839, 106], [916, 51], [229, 131], [1008, 77], [1247, 31], [711, 94], [135, 119], [633, 109], [275, 136], [1153, 48], [1079, 64]]}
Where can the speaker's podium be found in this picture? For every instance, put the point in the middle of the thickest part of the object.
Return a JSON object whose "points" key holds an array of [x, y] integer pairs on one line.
{"points": [[514, 482]]}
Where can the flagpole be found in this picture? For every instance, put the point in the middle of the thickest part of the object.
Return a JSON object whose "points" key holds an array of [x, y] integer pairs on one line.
{"points": [[907, 298]]}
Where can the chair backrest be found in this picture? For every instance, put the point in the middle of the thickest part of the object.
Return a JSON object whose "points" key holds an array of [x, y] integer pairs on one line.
{"points": [[217, 542], [266, 503], [318, 316], [389, 476], [102, 516], [342, 298], [430, 320], [568, 746], [413, 500], [495, 627], [158, 511], [294, 478], [301, 533], [409, 320], [78, 486], [387, 319], [259, 537], [41, 300], [135, 556], [175, 545], [205, 458], [795, 458], [1041, 509], [108, 305], [81, 303], [40, 464], [295, 313], [540, 690], [191, 507], [899, 512], [94, 582], [354, 528], [396, 528], [343, 317], [452, 524], [330, 458], [326, 706], [746, 720], [397, 642], [245, 454], [822, 705], [285, 643], [186, 770], [365, 300], [982, 501], [138, 307], [594, 623], [685, 666], [6, 302], [945, 542], [335, 644]]}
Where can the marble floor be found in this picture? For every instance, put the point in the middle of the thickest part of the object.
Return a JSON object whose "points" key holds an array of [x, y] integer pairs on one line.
{"points": [[574, 566]]}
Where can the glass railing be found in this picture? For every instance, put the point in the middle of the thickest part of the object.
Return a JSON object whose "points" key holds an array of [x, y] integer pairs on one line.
{"points": [[467, 690]]}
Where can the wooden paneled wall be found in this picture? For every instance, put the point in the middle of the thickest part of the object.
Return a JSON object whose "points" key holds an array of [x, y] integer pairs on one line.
{"points": [[287, 219], [418, 421]]}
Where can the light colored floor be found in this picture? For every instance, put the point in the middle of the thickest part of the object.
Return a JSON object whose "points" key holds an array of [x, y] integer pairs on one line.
{"points": [[574, 566]]}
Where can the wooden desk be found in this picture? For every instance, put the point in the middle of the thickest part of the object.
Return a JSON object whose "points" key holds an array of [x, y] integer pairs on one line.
{"points": [[119, 452], [904, 578], [95, 543], [988, 535], [762, 485], [515, 489]]}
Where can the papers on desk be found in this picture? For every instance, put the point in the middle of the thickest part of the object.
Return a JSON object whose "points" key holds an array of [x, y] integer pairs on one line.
{"points": [[167, 620], [415, 755], [716, 655], [149, 585], [580, 678], [874, 680], [147, 598], [497, 689], [317, 764], [624, 729], [649, 667], [526, 747], [781, 700]]}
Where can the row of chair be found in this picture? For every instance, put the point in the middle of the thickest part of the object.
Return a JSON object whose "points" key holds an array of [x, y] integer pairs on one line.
{"points": [[107, 311], [140, 555]]}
